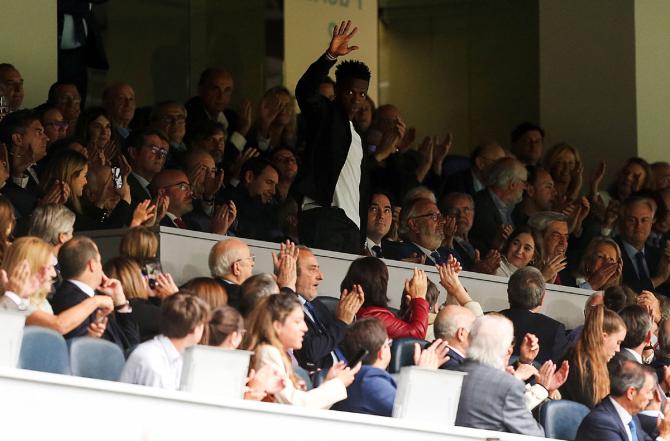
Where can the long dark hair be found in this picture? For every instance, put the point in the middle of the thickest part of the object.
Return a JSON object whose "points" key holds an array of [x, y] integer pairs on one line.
{"points": [[373, 276]]}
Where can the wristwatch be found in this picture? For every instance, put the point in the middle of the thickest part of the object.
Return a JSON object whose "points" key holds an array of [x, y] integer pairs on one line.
{"points": [[123, 305]]}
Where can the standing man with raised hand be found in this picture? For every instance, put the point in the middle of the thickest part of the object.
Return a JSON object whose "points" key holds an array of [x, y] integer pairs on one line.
{"points": [[334, 179]]}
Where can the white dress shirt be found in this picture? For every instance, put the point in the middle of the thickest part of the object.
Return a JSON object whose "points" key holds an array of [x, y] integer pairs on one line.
{"points": [[155, 363], [347, 190]]}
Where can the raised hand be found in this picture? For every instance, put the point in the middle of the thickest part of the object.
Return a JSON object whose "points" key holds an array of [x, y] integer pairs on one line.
{"points": [[502, 235], [165, 285], [20, 281], [449, 231], [552, 377], [426, 150], [349, 304], [597, 177], [553, 266], [223, 218], [339, 44], [241, 159], [417, 286], [529, 348], [433, 356], [440, 152], [244, 117], [144, 214], [286, 272], [268, 110], [598, 279], [489, 264]]}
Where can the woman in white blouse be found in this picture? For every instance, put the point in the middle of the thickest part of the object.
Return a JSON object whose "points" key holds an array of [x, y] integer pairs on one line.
{"points": [[277, 326], [518, 252]]}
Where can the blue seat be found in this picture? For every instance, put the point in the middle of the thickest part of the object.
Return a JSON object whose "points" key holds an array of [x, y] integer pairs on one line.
{"points": [[329, 302], [44, 350], [561, 418], [402, 353], [319, 377], [304, 376], [96, 358]]}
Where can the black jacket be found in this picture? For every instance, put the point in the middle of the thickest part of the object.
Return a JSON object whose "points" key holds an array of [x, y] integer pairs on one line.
{"points": [[320, 339], [550, 333]]}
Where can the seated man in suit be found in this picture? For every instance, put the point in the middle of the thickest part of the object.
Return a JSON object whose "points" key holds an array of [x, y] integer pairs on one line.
{"points": [[645, 267], [525, 292], [452, 325], [176, 186], [253, 198], [373, 390], [320, 345], [527, 143], [461, 207], [158, 362], [380, 215], [632, 387], [66, 98], [170, 118], [422, 228], [119, 103], [81, 269], [540, 195], [473, 179], [147, 150], [638, 334], [491, 398], [231, 263], [494, 204], [552, 229]]}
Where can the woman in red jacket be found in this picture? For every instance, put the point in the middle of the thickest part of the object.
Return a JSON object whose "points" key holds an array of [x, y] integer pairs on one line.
{"points": [[372, 275]]}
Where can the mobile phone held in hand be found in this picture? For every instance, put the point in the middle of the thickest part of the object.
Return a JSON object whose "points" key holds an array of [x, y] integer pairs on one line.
{"points": [[116, 176], [360, 355], [151, 269]]}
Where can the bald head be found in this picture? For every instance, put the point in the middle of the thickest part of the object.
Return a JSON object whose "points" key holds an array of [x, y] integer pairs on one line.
{"points": [[231, 259], [453, 324], [216, 89], [176, 185]]}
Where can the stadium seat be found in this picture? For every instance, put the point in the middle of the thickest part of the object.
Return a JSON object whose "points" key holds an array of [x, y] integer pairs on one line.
{"points": [[304, 376], [44, 350], [95, 358], [402, 353], [329, 302], [561, 418]]}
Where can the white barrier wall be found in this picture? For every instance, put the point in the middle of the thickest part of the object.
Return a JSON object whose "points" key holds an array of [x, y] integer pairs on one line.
{"points": [[184, 254], [41, 406]]}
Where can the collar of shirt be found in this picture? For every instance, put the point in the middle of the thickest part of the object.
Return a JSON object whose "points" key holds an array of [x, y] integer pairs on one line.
{"points": [[457, 351], [631, 251], [425, 251], [624, 416], [303, 302], [371, 243], [476, 183], [172, 354], [143, 182], [171, 216], [637, 356], [16, 299], [84, 287], [21, 181], [178, 147]]}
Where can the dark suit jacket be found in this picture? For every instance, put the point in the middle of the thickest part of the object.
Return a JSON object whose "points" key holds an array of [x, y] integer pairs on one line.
{"points": [[550, 333], [652, 256], [233, 291], [137, 192], [328, 136], [454, 362], [255, 220], [487, 222], [404, 250], [372, 392], [604, 424], [21, 199], [320, 340], [121, 328], [197, 115], [459, 182]]}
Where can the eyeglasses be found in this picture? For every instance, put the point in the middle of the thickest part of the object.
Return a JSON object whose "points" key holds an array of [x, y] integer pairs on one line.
{"points": [[435, 217], [173, 120], [183, 186], [57, 124], [458, 211], [157, 151], [252, 258]]}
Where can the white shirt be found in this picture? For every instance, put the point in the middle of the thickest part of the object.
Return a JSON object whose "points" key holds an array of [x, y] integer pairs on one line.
{"points": [[624, 416], [84, 287], [637, 356], [155, 363], [237, 139], [347, 192], [23, 304]]}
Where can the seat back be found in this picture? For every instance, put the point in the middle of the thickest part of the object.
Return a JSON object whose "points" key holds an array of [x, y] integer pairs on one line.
{"points": [[402, 353], [329, 302], [561, 418], [304, 376], [44, 350], [319, 377], [96, 358]]}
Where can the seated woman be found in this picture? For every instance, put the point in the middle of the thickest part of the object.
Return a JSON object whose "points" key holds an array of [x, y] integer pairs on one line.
{"points": [[371, 275], [601, 265], [518, 252], [28, 272], [145, 301], [565, 166], [140, 244], [7, 219], [94, 132], [277, 326], [588, 381], [209, 290]]}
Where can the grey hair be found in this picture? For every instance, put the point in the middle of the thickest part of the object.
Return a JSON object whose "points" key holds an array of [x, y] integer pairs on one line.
{"points": [[419, 192], [254, 289], [506, 171], [525, 288], [490, 338], [409, 211], [540, 221], [220, 262], [451, 197], [48, 221], [626, 375], [637, 200], [446, 326]]}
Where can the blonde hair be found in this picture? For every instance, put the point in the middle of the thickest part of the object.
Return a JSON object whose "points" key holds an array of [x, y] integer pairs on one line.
{"points": [[8, 221], [556, 151], [588, 259], [37, 252], [139, 243], [65, 167], [129, 273]]}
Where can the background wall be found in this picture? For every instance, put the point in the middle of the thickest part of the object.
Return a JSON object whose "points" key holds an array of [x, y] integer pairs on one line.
{"points": [[28, 41], [469, 67]]}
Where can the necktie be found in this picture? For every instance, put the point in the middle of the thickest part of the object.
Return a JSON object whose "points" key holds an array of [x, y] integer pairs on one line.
{"points": [[641, 270], [633, 430], [437, 259], [315, 317], [179, 222], [377, 251]]}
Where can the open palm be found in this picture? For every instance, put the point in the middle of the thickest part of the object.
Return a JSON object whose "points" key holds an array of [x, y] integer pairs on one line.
{"points": [[339, 45]]}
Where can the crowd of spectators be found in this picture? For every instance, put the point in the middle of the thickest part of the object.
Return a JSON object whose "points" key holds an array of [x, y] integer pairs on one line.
{"points": [[342, 175]]}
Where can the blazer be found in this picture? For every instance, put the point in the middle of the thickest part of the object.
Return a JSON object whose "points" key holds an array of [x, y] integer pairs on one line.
{"points": [[320, 339], [604, 424], [328, 138], [138, 193], [550, 333], [415, 326], [487, 222], [492, 399], [455, 361], [121, 330], [372, 392], [404, 250], [652, 256], [321, 397], [233, 290], [22, 200]]}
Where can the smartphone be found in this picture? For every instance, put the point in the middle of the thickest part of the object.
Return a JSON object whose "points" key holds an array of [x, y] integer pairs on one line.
{"points": [[151, 269], [116, 176], [360, 355]]}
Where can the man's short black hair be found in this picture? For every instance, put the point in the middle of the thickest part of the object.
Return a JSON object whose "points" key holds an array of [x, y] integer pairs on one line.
{"points": [[137, 137], [638, 324], [16, 122], [383, 192], [54, 88], [352, 69], [256, 166], [524, 127]]}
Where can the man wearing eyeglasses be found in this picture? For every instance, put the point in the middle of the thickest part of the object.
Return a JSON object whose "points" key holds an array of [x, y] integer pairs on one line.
{"points": [[170, 118], [175, 185], [147, 150], [55, 126], [66, 98]]}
